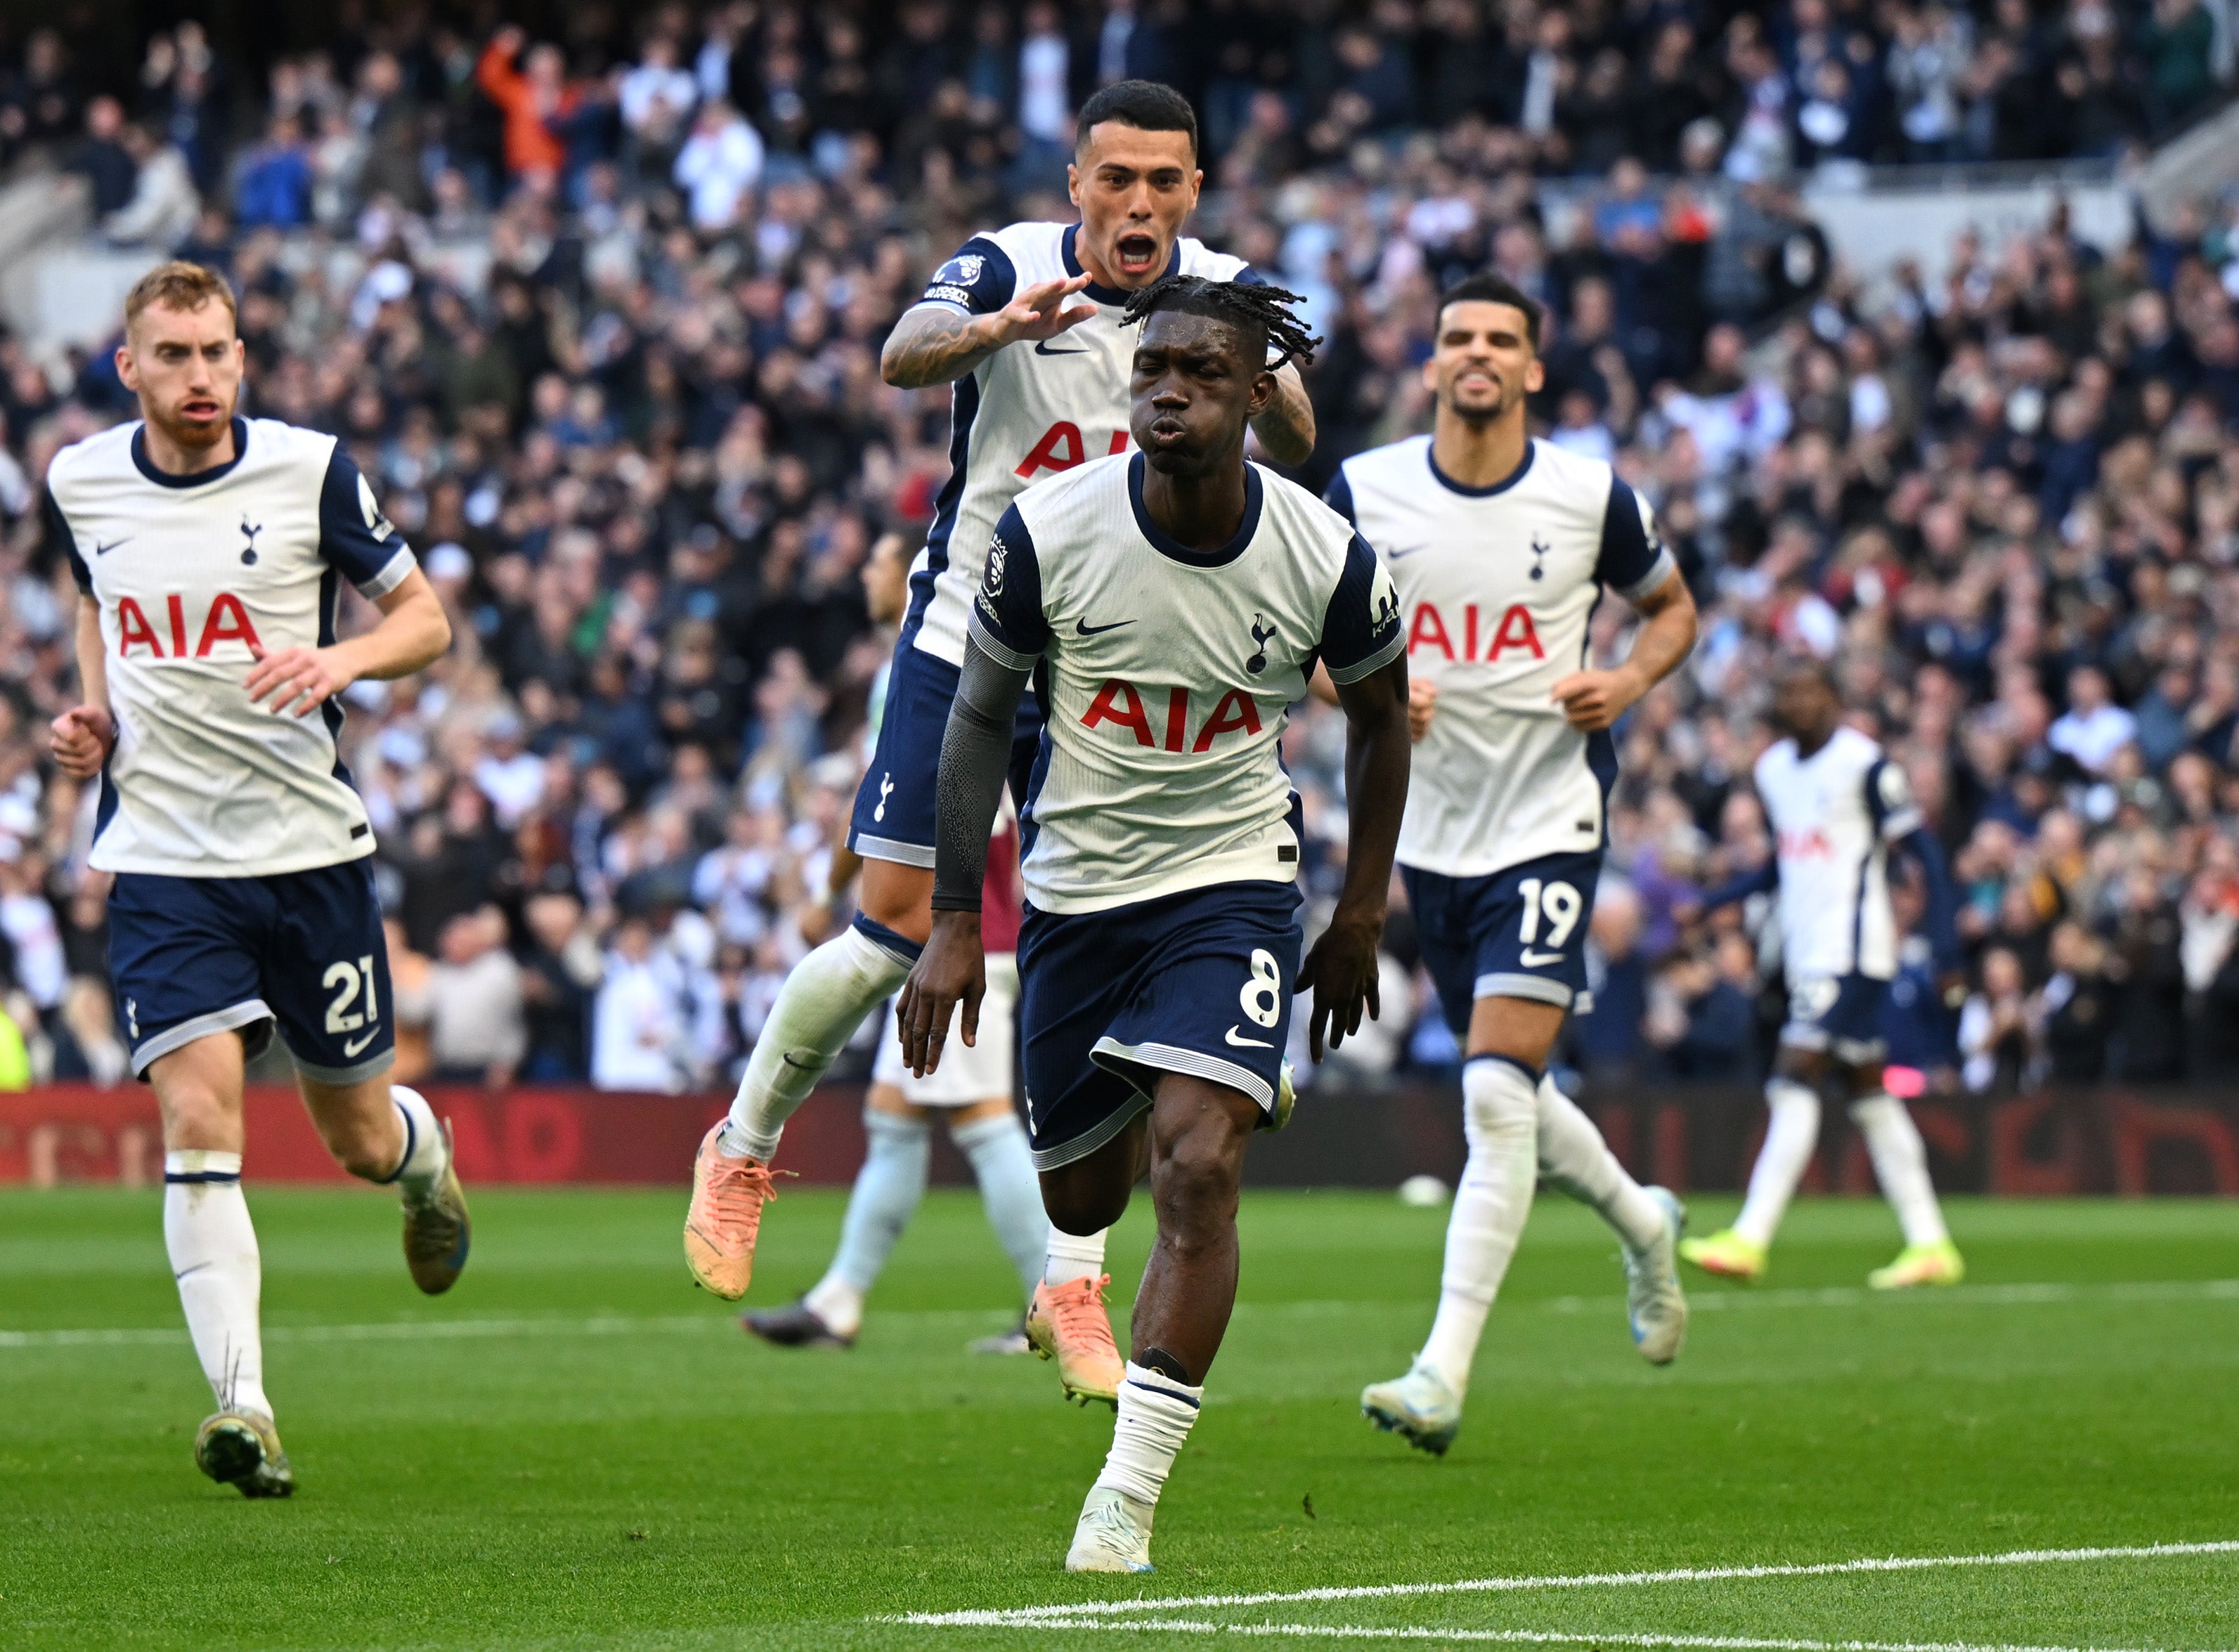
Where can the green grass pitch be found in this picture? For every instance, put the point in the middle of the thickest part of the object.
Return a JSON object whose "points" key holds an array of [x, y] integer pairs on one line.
{"points": [[573, 1448]]}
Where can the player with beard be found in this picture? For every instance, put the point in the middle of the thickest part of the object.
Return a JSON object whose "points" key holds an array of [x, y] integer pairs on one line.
{"points": [[1171, 605], [1041, 389], [1500, 547], [209, 550]]}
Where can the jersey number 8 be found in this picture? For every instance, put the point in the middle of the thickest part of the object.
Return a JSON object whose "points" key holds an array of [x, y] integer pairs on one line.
{"points": [[1559, 901], [1262, 997]]}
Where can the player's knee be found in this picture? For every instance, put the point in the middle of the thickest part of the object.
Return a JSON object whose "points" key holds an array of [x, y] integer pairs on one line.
{"points": [[1785, 1094], [1085, 1196], [1081, 1209], [1500, 1099], [1197, 1179], [898, 897], [196, 1114]]}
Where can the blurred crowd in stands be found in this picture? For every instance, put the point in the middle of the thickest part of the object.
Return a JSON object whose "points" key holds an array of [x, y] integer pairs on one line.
{"points": [[600, 316]]}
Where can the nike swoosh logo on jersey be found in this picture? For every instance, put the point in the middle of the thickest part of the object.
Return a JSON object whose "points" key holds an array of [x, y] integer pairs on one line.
{"points": [[1082, 628], [1043, 348], [1263, 1044], [1393, 556], [1532, 960], [99, 549], [356, 1045]]}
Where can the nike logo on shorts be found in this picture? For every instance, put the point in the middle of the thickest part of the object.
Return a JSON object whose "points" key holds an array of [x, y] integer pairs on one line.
{"points": [[356, 1045], [1263, 1044], [1532, 960]]}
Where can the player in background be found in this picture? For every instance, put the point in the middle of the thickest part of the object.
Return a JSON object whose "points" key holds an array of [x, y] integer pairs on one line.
{"points": [[1172, 605], [209, 550], [1500, 547], [1836, 806], [1041, 388], [971, 1095]]}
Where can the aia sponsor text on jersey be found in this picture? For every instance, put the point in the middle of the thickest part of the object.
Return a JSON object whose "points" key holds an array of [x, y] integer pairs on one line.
{"points": [[224, 620], [1472, 641]]}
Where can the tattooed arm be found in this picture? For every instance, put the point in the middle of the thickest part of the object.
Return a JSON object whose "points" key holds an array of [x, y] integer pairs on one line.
{"points": [[936, 344], [1287, 429]]}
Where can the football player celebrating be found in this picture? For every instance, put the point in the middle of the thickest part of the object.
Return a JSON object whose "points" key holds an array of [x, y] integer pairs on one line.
{"points": [[1024, 321], [1174, 602], [1500, 546], [209, 550], [1836, 806]]}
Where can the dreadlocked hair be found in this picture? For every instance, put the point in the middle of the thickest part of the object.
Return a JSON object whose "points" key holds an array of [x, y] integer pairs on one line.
{"points": [[1253, 308]]}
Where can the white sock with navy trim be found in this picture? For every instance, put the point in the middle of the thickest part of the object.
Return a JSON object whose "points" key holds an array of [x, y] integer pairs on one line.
{"points": [[424, 1152], [1790, 1140], [1900, 1167], [1156, 1413], [213, 1257], [818, 1009], [1500, 1110], [1573, 1157]]}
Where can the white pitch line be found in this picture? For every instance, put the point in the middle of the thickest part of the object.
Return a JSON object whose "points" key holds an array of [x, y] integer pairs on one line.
{"points": [[623, 1325], [2008, 1296], [388, 1332], [1532, 1637], [1023, 1616]]}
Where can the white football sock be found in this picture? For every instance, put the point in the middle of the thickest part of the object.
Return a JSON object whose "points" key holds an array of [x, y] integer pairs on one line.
{"points": [[213, 1250], [818, 1009], [1155, 1415], [1499, 1115], [1900, 1167], [1074, 1255], [1574, 1157], [424, 1153], [837, 1303], [885, 1196], [1789, 1141], [1003, 1165]]}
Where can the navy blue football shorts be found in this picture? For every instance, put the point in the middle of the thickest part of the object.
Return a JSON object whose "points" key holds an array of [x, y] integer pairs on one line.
{"points": [[1198, 982], [1838, 1013], [1517, 933], [893, 805], [194, 956]]}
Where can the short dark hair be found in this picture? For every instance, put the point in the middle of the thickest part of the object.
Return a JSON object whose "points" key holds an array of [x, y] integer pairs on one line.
{"points": [[1144, 104], [1489, 287], [1262, 313], [1794, 662]]}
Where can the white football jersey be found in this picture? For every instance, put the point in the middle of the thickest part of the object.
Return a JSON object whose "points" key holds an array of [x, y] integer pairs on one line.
{"points": [[1029, 412], [1167, 675], [1834, 815], [1496, 585], [190, 572]]}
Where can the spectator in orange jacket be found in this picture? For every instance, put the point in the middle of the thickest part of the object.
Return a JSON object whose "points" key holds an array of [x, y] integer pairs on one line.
{"points": [[532, 96]]}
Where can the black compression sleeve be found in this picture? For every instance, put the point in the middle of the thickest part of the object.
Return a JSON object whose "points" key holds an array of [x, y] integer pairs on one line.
{"points": [[975, 756]]}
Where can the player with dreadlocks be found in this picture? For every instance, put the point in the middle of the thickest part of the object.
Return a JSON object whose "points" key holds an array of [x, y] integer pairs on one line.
{"points": [[1024, 323], [1172, 604]]}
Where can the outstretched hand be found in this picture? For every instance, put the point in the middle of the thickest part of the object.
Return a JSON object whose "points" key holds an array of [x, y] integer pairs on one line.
{"points": [[1341, 969], [953, 969], [1041, 311]]}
